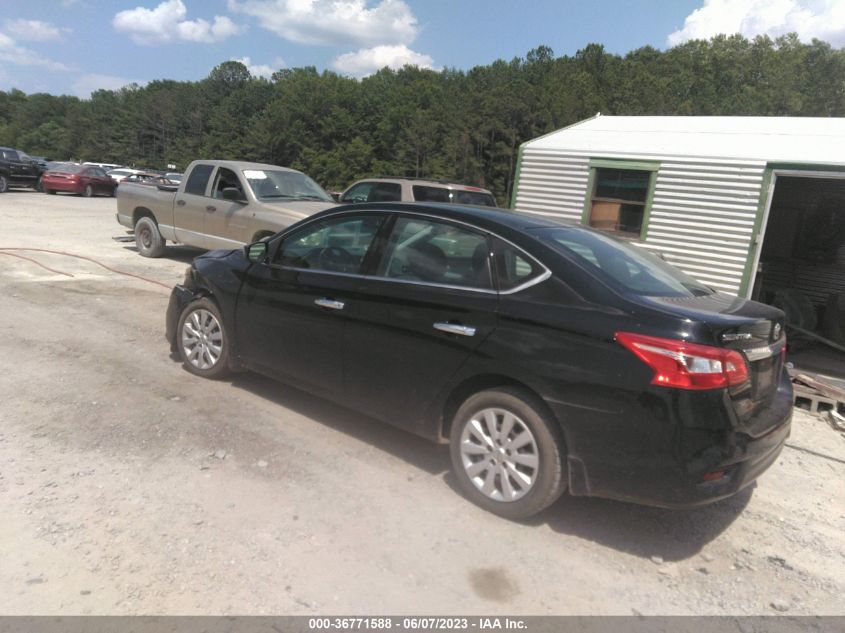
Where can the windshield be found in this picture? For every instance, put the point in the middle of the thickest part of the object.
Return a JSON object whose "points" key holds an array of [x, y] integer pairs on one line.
{"points": [[623, 264], [284, 185]]}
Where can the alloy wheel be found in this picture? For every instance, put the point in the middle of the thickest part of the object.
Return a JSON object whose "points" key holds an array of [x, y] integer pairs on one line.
{"points": [[499, 454], [202, 339]]}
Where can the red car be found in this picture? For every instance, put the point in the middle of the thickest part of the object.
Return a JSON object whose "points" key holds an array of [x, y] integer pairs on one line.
{"points": [[79, 179]]}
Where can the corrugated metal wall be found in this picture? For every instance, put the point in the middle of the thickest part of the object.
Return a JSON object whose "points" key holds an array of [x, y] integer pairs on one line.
{"points": [[702, 214]]}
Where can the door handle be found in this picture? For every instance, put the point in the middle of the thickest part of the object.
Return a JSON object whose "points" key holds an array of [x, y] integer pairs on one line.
{"points": [[211, 208], [454, 328], [181, 203], [331, 304]]}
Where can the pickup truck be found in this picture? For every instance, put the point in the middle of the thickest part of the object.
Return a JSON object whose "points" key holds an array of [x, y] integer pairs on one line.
{"points": [[218, 204], [18, 170]]}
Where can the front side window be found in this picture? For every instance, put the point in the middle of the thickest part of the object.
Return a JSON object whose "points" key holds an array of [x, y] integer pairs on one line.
{"points": [[374, 192], [619, 199], [427, 250], [198, 180], [226, 178], [334, 245]]}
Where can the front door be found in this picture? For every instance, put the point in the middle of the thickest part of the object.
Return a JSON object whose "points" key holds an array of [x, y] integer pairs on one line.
{"points": [[226, 221], [292, 310]]}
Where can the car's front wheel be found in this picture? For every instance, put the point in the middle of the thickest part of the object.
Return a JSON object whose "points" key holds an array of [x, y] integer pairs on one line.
{"points": [[507, 454], [88, 191], [4, 184], [202, 340]]}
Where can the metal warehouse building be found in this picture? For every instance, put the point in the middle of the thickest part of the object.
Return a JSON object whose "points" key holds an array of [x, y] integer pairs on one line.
{"points": [[748, 205]]}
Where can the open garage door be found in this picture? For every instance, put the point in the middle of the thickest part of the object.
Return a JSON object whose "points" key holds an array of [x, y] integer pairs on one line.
{"points": [[802, 265]]}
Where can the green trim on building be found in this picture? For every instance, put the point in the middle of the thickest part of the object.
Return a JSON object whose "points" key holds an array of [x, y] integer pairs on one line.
{"points": [[518, 174], [613, 163], [756, 243]]}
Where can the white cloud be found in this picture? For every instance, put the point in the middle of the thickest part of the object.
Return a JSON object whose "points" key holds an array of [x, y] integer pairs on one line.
{"points": [[260, 70], [86, 84], [12, 53], [368, 60], [822, 19], [168, 22], [334, 22], [33, 30]]}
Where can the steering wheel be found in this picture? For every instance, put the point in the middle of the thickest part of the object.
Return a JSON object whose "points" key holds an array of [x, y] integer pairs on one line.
{"points": [[335, 258]]}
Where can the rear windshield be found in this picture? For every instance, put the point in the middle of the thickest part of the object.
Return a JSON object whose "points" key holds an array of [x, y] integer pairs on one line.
{"points": [[423, 193], [632, 267], [69, 168]]}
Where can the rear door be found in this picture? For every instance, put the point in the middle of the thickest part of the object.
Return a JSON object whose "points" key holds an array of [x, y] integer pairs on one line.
{"points": [[292, 310], [415, 320], [189, 209]]}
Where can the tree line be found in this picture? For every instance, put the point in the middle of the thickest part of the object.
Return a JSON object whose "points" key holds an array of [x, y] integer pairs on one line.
{"points": [[464, 126]]}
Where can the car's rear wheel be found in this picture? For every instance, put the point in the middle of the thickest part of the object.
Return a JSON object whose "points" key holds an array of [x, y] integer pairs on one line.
{"points": [[88, 191], [507, 454], [148, 238], [4, 184], [202, 340]]}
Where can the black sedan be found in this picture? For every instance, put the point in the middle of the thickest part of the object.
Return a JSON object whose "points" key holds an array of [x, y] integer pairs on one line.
{"points": [[549, 356]]}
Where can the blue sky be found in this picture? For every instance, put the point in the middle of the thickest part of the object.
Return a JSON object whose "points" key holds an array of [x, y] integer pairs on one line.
{"points": [[76, 46]]}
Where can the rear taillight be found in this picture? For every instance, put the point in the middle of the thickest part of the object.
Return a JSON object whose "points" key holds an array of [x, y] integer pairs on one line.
{"points": [[686, 365]]}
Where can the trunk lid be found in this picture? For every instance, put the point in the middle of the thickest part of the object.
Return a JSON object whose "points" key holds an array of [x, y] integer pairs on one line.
{"points": [[755, 329]]}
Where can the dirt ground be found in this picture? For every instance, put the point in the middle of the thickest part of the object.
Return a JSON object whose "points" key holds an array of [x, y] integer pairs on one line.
{"points": [[129, 486]]}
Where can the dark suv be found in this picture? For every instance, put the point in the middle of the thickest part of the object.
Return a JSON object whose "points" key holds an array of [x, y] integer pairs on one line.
{"points": [[17, 169], [549, 356]]}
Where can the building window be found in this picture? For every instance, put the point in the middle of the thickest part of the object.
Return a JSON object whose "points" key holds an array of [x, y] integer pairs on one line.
{"points": [[620, 197]]}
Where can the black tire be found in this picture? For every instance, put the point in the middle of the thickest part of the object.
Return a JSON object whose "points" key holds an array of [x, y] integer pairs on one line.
{"points": [[4, 184], [38, 185], [148, 238], [51, 192], [193, 355], [549, 480], [88, 191]]}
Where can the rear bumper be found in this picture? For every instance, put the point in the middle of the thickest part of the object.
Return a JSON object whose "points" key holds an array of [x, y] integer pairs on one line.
{"points": [[664, 460], [60, 185]]}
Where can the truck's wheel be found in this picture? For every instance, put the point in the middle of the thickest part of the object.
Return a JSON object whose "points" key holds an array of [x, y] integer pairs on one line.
{"points": [[4, 184], [38, 185], [148, 238]]}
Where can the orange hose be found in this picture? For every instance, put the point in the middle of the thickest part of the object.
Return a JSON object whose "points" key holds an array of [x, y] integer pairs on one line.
{"points": [[93, 261]]}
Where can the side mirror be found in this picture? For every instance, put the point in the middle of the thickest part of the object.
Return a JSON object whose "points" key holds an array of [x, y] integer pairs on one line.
{"points": [[256, 252], [233, 194]]}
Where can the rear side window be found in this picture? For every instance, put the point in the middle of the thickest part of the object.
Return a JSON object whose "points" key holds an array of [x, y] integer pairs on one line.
{"points": [[335, 245], [431, 251], [431, 194], [514, 268], [10, 154], [198, 180]]}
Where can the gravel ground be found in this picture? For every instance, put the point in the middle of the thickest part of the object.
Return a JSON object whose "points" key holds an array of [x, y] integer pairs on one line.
{"points": [[129, 486]]}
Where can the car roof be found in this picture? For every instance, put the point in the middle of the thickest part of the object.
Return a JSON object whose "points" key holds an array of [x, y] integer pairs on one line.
{"points": [[240, 164], [488, 218], [425, 182]]}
